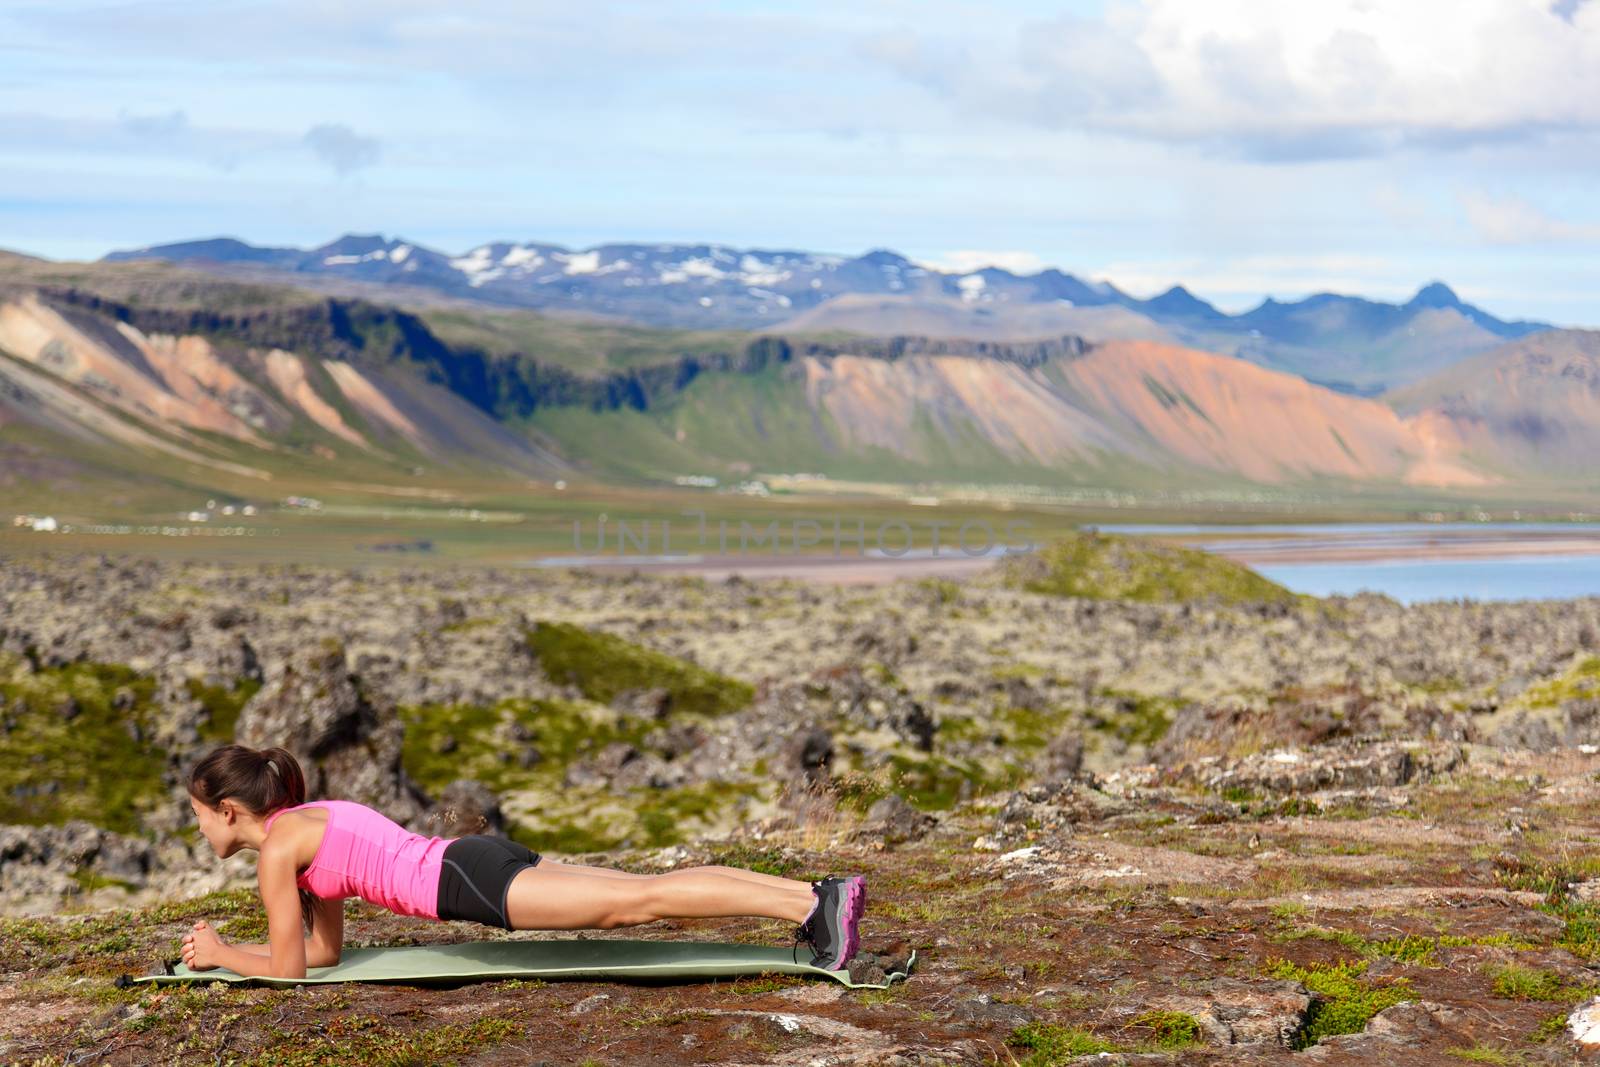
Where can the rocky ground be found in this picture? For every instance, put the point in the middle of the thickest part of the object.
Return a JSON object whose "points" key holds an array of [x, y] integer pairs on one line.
{"points": [[1342, 831]]}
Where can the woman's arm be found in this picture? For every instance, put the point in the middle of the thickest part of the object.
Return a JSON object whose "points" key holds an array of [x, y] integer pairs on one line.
{"points": [[286, 944], [326, 943]]}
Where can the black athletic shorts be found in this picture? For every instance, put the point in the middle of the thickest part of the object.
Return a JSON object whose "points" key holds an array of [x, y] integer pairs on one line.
{"points": [[476, 875]]}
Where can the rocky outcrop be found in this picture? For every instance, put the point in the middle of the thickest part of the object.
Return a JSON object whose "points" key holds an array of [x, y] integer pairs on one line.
{"points": [[1351, 765], [1395, 1033], [1214, 729], [807, 755], [1234, 1011], [35, 857], [874, 705], [348, 746], [891, 821], [1057, 805]]}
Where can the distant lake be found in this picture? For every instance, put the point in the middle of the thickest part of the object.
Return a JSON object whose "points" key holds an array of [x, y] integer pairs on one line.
{"points": [[1413, 580], [1399, 563]]}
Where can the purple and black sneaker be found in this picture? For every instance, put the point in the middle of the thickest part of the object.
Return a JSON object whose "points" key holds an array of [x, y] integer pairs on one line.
{"points": [[833, 927]]}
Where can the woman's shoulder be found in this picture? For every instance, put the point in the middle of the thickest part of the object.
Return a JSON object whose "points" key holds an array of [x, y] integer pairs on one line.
{"points": [[310, 811]]}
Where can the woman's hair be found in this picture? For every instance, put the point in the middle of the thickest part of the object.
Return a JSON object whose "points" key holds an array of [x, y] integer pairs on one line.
{"points": [[260, 780]]}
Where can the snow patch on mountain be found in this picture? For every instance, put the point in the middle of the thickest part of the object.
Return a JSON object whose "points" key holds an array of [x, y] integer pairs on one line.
{"points": [[520, 256], [580, 262]]}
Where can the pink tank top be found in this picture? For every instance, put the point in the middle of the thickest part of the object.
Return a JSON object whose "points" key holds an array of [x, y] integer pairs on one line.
{"points": [[366, 854]]}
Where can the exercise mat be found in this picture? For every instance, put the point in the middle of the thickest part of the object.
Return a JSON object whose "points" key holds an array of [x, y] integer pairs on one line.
{"points": [[575, 958]]}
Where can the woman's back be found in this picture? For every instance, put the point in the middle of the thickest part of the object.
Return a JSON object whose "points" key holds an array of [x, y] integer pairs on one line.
{"points": [[366, 854]]}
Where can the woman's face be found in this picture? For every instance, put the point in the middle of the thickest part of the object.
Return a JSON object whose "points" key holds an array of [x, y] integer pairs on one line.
{"points": [[218, 825]]}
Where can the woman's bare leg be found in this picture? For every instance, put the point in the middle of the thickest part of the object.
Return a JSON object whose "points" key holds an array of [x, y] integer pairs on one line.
{"points": [[755, 877], [548, 898]]}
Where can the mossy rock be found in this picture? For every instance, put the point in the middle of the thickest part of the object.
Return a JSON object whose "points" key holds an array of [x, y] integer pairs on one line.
{"points": [[573, 819], [222, 705], [562, 731], [604, 666], [76, 746], [1345, 999], [1582, 682], [1100, 566]]}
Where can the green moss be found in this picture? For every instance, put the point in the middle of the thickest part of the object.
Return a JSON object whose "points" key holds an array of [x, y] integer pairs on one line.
{"points": [[222, 705], [1485, 1054], [1109, 567], [1580, 932], [90, 942], [1050, 1045], [562, 731], [936, 783], [763, 983], [856, 791], [1580, 683], [221, 903], [1345, 1001], [466, 625], [1412, 948], [1516, 982], [602, 666], [89, 881], [942, 590], [567, 838], [446, 742], [1172, 1029], [248, 928], [70, 752], [1549, 1028], [669, 816], [761, 860], [1135, 718], [1028, 730]]}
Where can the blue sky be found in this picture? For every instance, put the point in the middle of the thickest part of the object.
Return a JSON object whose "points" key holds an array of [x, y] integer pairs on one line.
{"points": [[1244, 148]]}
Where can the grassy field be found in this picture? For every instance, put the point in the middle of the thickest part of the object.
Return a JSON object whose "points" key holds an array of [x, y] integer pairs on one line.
{"points": [[497, 521]]}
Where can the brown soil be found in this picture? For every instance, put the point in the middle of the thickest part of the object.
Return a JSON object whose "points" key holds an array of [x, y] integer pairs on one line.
{"points": [[1090, 926]]}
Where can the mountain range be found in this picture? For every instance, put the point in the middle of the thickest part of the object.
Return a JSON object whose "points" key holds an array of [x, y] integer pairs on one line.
{"points": [[1348, 343], [152, 373]]}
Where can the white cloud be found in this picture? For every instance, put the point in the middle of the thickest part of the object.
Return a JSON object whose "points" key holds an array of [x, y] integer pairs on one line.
{"points": [[341, 148], [1285, 81], [964, 262], [1511, 220]]}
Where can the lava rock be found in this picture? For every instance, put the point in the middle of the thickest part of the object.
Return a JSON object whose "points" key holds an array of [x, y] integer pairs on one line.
{"points": [[348, 746], [893, 822], [984, 1010], [809, 754]]}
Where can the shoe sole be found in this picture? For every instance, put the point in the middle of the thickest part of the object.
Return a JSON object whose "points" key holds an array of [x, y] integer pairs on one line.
{"points": [[855, 903], [844, 917]]}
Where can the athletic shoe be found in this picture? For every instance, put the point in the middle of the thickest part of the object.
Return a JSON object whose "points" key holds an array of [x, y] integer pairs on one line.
{"points": [[807, 930], [833, 927]]}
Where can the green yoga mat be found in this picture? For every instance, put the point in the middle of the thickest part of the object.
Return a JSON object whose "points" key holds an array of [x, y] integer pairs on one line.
{"points": [[640, 960]]}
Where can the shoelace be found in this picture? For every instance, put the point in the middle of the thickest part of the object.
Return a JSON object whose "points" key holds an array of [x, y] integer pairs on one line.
{"points": [[803, 932], [806, 931]]}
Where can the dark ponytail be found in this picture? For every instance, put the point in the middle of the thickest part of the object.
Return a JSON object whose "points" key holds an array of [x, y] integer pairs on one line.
{"points": [[261, 780]]}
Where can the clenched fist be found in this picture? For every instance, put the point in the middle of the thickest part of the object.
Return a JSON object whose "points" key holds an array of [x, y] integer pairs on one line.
{"points": [[200, 947]]}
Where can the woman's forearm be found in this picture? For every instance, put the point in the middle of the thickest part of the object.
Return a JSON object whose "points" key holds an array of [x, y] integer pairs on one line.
{"points": [[235, 959], [312, 954]]}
